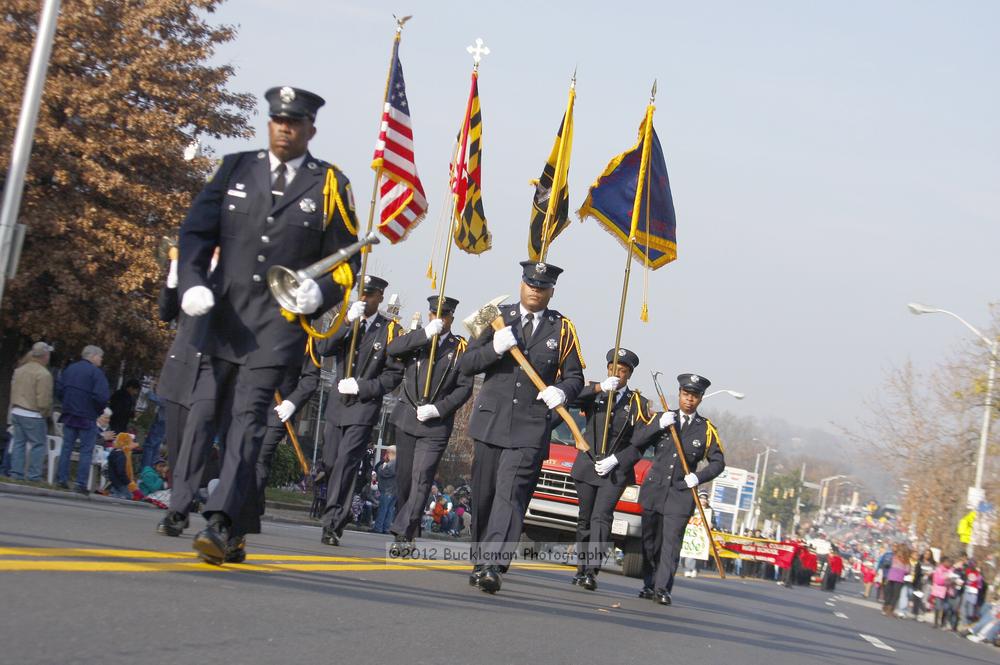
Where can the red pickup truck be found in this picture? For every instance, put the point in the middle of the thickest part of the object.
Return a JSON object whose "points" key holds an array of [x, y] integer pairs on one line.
{"points": [[552, 512]]}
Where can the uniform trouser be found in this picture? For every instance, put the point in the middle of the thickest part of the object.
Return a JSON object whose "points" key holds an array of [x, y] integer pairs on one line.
{"points": [[502, 482], [343, 450], [661, 548], [174, 418], [272, 438], [593, 526], [251, 390], [196, 427], [424, 455]]}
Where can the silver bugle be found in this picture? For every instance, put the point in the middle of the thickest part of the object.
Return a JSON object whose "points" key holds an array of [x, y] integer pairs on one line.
{"points": [[284, 282]]}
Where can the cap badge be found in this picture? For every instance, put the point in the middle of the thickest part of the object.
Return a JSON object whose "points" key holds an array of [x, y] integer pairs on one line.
{"points": [[287, 95], [552, 344], [695, 378], [307, 205], [368, 279], [540, 268], [621, 353]]}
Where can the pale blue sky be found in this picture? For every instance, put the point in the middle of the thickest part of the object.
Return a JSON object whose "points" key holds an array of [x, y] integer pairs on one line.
{"points": [[829, 161]]}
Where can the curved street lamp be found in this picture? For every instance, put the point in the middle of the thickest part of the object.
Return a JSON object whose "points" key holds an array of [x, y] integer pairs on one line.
{"points": [[731, 393]]}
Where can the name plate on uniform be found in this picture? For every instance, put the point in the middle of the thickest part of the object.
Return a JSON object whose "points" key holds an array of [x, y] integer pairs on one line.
{"points": [[619, 527], [236, 192]]}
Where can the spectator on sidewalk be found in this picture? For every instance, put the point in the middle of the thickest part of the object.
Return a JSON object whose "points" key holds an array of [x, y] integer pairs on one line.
{"points": [[157, 430], [122, 405], [153, 478], [899, 567], [969, 613], [105, 435], [31, 404], [120, 475], [83, 391], [386, 475]]}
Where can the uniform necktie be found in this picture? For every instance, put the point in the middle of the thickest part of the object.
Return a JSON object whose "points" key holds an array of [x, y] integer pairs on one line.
{"points": [[528, 327], [685, 421], [278, 188]]}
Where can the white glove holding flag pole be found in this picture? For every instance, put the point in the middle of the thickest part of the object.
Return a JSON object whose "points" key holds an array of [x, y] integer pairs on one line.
{"points": [[172, 275], [667, 419], [197, 300], [504, 340], [552, 396], [433, 328], [308, 297], [609, 384], [426, 412], [604, 466], [284, 410], [691, 480], [355, 312], [347, 387]]}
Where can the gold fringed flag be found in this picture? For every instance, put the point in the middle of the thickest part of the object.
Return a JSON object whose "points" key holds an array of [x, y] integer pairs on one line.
{"points": [[550, 206], [471, 232], [612, 197]]}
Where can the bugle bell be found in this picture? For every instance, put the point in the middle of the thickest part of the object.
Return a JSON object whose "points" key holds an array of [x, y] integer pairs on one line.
{"points": [[284, 282]]}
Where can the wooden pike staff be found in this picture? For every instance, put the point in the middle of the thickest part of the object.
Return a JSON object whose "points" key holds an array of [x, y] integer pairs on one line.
{"points": [[640, 188], [356, 326], [684, 466], [293, 438], [477, 52]]}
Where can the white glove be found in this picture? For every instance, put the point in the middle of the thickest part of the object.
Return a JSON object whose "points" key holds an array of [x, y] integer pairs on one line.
{"points": [[308, 297], [667, 419], [197, 300], [504, 340], [284, 410], [356, 311], [609, 384], [552, 396], [691, 480], [604, 466], [426, 412], [347, 387], [433, 328], [172, 275]]}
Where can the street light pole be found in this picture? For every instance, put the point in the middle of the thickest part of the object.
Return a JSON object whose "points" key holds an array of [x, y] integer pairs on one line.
{"points": [[732, 393], [993, 346], [763, 477]]}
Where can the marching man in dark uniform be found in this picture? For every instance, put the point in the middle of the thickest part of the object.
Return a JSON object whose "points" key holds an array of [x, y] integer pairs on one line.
{"points": [[601, 476], [666, 500], [423, 427], [261, 209], [511, 420], [351, 415]]}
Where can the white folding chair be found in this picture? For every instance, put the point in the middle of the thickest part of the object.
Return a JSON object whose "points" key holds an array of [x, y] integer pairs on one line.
{"points": [[55, 444]]}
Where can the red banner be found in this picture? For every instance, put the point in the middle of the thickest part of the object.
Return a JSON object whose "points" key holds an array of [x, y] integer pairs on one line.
{"points": [[756, 549]]}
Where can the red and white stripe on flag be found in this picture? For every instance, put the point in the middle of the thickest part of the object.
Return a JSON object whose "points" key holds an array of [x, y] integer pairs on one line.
{"points": [[402, 203]]}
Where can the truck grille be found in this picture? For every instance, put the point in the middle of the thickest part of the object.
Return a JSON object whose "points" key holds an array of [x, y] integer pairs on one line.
{"points": [[556, 484]]}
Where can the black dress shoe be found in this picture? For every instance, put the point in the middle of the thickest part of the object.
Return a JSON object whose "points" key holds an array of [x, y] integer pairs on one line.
{"points": [[578, 579], [172, 524], [477, 574], [236, 550], [662, 597], [211, 542], [330, 537], [589, 582], [646, 593], [491, 580]]}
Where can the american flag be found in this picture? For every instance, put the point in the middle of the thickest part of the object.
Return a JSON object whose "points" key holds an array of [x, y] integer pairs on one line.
{"points": [[401, 196]]}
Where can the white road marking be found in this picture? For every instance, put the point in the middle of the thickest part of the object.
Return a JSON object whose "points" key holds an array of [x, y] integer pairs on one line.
{"points": [[840, 615], [876, 642], [830, 604]]}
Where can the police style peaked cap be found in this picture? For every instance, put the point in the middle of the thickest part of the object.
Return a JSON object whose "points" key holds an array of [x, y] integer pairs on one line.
{"points": [[373, 283], [540, 275], [447, 307], [625, 357], [288, 102], [693, 383]]}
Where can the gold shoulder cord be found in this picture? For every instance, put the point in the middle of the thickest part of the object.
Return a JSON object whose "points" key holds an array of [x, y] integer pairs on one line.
{"points": [[712, 435]]}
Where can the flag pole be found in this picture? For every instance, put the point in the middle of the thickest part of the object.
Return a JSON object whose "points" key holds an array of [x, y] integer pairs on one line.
{"points": [[636, 208], [550, 210], [460, 166], [356, 326]]}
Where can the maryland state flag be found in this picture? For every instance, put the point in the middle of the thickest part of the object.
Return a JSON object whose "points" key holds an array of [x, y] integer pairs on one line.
{"points": [[471, 233], [612, 197], [551, 201]]}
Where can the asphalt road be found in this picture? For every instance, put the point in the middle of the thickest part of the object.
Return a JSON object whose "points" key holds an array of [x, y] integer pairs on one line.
{"points": [[88, 581]]}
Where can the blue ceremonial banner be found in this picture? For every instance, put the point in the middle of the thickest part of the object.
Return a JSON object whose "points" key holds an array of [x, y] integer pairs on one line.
{"points": [[611, 199]]}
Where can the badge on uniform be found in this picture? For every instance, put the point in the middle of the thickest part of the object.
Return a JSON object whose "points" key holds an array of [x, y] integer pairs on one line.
{"points": [[552, 344], [377, 346], [696, 443], [307, 205]]}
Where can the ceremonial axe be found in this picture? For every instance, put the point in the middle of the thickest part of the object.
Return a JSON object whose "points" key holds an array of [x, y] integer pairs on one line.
{"points": [[489, 316]]}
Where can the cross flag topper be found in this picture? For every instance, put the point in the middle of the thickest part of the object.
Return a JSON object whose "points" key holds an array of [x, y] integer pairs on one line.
{"points": [[478, 51]]}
